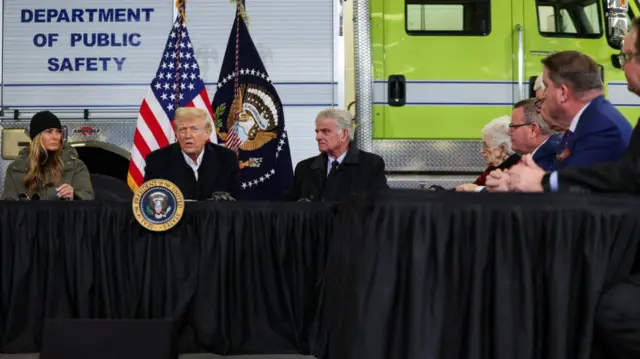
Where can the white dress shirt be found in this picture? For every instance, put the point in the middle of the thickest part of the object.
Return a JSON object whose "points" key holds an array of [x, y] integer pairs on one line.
{"points": [[576, 118], [194, 165]]}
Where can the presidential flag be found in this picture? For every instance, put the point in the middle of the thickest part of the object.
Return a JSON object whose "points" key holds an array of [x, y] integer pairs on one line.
{"points": [[177, 84], [250, 119]]}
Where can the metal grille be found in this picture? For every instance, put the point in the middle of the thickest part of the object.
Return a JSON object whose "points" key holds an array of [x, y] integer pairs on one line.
{"points": [[363, 74], [424, 182], [428, 156]]}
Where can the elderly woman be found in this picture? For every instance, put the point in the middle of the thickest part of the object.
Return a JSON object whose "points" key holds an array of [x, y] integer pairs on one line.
{"points": [[47, 168], [496, 150]]}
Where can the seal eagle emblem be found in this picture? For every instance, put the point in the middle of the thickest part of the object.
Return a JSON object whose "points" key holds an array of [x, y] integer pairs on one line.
{"points": [[253, 117], [158, 205]]}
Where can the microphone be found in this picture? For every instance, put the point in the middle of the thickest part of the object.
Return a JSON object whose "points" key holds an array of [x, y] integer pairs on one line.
{"points": [[221, 196], [310, 198], [509, 162], [25, 197]]}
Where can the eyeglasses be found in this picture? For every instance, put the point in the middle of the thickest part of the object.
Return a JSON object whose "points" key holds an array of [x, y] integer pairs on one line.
{"points": [[511, 125], [538, 102]]}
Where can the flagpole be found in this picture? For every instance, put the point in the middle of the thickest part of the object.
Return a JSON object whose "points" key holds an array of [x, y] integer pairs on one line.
{"points": [[181, 5], [237, 64]]}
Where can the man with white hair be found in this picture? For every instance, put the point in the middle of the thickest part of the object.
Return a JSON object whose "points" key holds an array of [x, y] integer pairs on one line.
{"points": [[341, 169], [199, 168]]}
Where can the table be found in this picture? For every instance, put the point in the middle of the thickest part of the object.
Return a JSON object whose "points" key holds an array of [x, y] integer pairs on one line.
{"points": [[411, 275]]}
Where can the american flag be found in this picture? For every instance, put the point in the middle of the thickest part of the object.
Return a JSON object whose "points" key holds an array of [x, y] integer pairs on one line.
{"points": [[177, 84]]}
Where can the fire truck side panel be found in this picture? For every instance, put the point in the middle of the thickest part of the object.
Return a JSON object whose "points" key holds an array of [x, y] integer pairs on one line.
{"points": [[460, 64]]}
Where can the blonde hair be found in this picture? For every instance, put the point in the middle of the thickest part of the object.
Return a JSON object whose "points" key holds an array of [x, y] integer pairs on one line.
{"points": [[343, 118], [42, 171], [189, 112]]}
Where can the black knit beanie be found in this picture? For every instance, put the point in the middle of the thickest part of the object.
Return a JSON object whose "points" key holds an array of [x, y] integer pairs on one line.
{"points": [[42, 121]]}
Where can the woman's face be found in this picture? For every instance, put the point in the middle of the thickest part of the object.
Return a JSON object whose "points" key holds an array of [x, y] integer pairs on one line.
{"points": [[493, 155], [51, 139]]}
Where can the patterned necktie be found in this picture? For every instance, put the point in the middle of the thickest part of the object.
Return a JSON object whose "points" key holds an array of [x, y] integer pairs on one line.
{"points": [[564, 152]]}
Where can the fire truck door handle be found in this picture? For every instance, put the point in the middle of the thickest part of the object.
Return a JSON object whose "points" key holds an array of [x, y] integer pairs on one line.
{"points": [[397, 90], [520, 62]]}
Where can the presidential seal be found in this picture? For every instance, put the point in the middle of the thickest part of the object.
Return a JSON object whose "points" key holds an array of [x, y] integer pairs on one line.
{"points": [[158, 205]]}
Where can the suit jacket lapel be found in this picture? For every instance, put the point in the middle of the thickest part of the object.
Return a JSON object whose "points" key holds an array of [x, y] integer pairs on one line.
{"points": [[319, 174], [209, 171], [351, 159]]}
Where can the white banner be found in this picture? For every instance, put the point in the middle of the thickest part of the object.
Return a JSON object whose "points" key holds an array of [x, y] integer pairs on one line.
{"points": [[88, 54]]}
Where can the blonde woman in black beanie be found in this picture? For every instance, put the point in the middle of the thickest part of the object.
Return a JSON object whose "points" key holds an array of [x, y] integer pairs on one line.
{"points": [[47, 169]]}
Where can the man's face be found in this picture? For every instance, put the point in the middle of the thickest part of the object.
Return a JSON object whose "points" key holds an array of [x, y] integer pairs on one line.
{"points": [[551, 107], [327, 135], [521, 133], [554, 98], [631, 65], [192, 134]]}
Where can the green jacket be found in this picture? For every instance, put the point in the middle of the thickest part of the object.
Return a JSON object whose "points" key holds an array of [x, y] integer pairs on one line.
{"points": [[75, 173]]}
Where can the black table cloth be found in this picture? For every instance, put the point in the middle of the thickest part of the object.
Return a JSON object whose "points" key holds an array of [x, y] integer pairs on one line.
{"points": [[236, 278], [412, 275], [474, 276]]}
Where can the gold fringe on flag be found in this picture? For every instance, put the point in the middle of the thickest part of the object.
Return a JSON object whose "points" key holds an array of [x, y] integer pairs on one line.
{"points": [[243, 13], [181, 9]]}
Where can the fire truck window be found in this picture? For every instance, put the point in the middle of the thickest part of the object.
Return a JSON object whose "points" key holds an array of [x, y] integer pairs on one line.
{"points": [[571, 19], [426, 17]]}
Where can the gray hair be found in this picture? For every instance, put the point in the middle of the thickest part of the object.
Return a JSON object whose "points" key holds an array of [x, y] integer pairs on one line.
{"points": [[343, 118], [539, 84], [531, 115], [498, 132]]}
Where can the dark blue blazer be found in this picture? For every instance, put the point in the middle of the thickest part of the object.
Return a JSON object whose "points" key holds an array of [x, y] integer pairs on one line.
{"points": [[602, 135], [545, 156]]}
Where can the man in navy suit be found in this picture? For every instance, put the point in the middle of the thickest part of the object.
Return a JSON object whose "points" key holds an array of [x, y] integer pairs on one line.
{"points": [[596, 131], [617, 319], [530, 134]]}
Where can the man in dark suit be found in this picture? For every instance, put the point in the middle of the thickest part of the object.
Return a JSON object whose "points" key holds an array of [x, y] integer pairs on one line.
{"points": [[341, 169], [198, 167], [526, 133], [596, 131], [530, 134], [618, 314]]}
